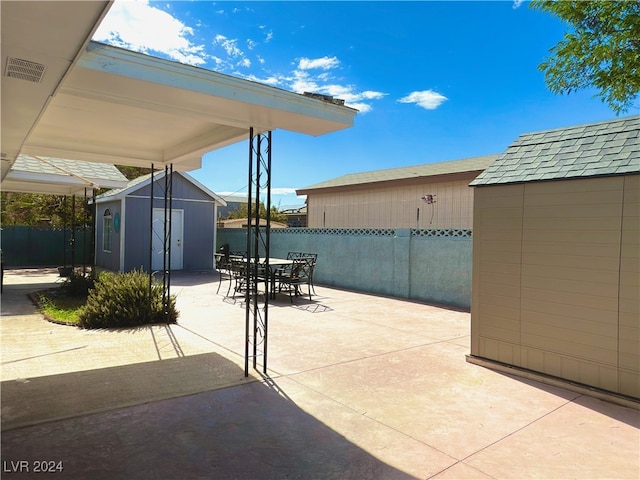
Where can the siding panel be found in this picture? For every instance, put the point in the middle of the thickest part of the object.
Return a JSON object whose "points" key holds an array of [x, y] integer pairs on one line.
{"points": [[394, 207], [629, 317], [575, 311], [497, 244]]}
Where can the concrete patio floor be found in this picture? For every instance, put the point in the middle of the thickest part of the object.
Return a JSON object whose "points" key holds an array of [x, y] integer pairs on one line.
{"points": [[358, 387]]}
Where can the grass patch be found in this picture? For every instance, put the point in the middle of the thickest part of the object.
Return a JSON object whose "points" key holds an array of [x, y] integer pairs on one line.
{"points": [[61, 308]]}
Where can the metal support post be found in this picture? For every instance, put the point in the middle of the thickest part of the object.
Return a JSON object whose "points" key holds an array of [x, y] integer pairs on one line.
{"points": [[258, 240], [151, 239], [166, 239]]}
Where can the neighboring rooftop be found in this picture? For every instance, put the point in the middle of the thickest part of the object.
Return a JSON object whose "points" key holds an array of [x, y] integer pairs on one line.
{"points": [[475, 164], [597, 149], [235, 198]]}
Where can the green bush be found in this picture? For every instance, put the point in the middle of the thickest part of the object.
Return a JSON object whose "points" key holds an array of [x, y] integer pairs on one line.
{"points": [[77, 285], [122, 300]]}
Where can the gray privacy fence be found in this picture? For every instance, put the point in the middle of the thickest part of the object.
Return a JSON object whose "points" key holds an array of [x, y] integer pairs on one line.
{"points": [[24, 246], [427, 265]]}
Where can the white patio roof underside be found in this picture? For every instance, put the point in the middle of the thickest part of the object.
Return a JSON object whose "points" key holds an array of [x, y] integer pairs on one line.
{"points": [[67, 97]]}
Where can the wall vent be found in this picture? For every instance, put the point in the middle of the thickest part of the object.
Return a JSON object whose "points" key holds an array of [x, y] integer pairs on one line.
{"points": [[24, 70]]}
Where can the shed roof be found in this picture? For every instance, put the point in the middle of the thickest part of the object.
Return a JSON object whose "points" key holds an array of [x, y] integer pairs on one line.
{"points": [[597, 149], [137, 183], [58, 176], [474, 164]]}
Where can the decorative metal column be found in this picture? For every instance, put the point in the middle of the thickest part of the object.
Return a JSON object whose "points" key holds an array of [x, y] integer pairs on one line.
{"points": [[168, 205], [165, 246], [258, 242]]}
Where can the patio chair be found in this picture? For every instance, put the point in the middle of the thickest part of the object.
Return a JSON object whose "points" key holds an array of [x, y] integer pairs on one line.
{"points": [[223, 267], [239, 274], [312, 256], [297, 274]]}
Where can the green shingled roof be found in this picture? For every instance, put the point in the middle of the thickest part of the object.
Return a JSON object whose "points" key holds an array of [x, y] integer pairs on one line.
{"points": [[417, 171], [595, 149]]}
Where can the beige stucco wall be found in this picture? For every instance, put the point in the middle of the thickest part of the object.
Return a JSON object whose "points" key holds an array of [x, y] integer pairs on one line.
{"points": [[394, 206], [555, 279]]}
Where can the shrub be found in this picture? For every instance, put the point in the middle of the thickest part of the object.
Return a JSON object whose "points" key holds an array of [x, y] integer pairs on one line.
{"points": [[122, 300], [77, 285]]}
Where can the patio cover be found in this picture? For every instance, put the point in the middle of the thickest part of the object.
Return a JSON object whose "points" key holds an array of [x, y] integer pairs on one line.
{"points": [[68, 97], [56, 176]]}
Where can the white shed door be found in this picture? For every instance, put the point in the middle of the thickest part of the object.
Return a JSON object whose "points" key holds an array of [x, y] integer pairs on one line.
{"points": [[177, 229]]}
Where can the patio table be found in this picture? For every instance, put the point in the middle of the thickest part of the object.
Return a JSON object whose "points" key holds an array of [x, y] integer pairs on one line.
{"points": [[274, 265]]}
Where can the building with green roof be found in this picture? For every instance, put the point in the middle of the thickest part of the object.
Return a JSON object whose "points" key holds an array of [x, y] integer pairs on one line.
{"points": [[556, 242], [433, 195]]}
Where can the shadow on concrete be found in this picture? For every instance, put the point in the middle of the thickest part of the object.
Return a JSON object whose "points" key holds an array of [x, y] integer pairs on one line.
{"points": [[16, 300], [283, 301], [627, 415], [190, 279], [245, 431]]}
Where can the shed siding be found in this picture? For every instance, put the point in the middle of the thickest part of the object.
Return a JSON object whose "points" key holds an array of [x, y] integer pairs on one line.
{"points": [[108, 260], [137, 233], [199, 225], [198, 228], [558, 288], [394, 207], [180, 187], [629, 333], [496, 272], [555, 286], [197, 237]]}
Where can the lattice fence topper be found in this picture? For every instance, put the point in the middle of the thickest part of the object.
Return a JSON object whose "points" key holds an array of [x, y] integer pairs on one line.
{"points": [[377, 232], [442, 232]]}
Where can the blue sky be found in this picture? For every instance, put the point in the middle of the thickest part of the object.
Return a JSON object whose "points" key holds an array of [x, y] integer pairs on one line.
{"points": [[433, 81]]}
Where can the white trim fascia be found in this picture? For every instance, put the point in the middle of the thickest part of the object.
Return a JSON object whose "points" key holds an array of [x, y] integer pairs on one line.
{"points": [[175, 199], [158, 176], [126, 63]]}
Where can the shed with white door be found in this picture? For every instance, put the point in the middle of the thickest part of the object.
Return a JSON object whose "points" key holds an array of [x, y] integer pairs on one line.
{"points": [[125, 232]]}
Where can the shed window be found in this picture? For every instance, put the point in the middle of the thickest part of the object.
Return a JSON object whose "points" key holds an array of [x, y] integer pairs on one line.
{"points": [[107, 230]]}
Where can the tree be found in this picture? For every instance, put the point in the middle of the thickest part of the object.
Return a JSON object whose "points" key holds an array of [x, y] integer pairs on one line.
{"points": [[133, 172], [37, 209], [242, 211], [54, 210], [601, 49]]}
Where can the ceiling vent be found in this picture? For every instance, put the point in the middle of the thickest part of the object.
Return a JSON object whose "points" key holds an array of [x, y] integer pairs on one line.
{"points": [[24, 70]]}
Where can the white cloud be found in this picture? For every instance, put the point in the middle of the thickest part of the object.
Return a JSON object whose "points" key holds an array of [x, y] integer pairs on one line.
{"points": [[137, 26], [349, 93], [272, 80], [517, 3], [229, 45], [324, 63], [427, 99]]}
